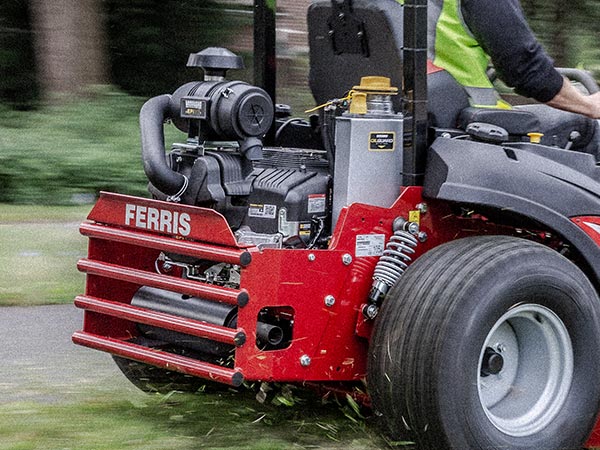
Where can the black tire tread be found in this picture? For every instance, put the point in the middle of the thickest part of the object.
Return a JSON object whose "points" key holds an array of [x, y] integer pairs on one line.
{"points": [[407, 323]]}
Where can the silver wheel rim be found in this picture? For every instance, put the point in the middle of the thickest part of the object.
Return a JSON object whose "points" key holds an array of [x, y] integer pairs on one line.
{"points": [[534, 381]]}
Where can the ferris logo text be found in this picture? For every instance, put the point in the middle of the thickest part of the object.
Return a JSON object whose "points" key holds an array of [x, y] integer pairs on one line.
{"points": [[160, 220]]}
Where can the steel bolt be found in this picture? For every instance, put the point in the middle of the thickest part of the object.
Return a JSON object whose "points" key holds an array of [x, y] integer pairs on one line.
{"points": [[370, 311], [167, 266], [422, 236], [422, 207], [329, 301], [347, 259], [501, 348], [305, 361], [413, 228], [311, 257]]}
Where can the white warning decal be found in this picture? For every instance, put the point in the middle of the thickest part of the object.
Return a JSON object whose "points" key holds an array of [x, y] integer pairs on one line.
{"points": [[369, 245], [262, 211], [316, 203]]}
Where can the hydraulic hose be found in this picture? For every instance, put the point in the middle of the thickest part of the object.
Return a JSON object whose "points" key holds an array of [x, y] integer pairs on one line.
{"points": [[152, 117]]}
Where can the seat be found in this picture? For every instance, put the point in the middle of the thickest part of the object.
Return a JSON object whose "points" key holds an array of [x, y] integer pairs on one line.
{"points": [[560, 129], [517, 122], [365, 39]]}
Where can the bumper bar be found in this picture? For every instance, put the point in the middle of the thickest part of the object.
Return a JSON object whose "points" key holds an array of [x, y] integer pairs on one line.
{"points": [[162, 320], [159, 358], [184, 247], [169, 283]]}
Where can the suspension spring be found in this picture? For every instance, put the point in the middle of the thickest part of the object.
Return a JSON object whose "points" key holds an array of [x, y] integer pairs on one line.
{"points": [[392, 265]]}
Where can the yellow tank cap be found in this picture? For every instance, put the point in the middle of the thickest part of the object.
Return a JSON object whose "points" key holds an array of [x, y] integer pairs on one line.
{"points": [[376, 84], [535, 138]]}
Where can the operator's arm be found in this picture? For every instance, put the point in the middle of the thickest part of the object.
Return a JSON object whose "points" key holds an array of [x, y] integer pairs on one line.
{"points": [[502, 31], [570, 99]]}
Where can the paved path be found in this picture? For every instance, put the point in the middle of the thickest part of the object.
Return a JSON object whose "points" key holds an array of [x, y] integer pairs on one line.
{"points": [[38, 361]]}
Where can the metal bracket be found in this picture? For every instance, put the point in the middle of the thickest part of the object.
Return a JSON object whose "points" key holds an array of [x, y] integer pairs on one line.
{"points": [[346, 30]]}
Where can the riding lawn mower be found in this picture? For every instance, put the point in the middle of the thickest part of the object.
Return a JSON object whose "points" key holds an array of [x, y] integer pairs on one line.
{"points": [[438, 262]]}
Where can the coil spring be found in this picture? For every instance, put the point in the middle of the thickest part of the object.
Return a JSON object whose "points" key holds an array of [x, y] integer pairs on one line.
{"points": [[396, 257]]}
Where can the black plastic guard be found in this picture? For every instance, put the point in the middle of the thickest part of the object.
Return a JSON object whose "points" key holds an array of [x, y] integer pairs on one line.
{"points": [[544, 184]]}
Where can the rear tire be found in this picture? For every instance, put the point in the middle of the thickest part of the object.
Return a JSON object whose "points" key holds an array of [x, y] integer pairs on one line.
{"points": [[485, 343]]}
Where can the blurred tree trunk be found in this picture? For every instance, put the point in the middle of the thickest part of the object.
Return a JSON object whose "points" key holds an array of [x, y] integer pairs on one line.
{"points": [[69, 44], [561, 31]]}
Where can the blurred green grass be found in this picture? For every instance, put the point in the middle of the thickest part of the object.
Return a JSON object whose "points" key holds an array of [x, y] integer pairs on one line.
{"points": [[39, 249], [180, 421], [66, 153], [36, 214]]}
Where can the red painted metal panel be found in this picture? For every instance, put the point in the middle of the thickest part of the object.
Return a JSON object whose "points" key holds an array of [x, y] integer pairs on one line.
{"points": [[324, 334], [594, 439], [161, 320], [190, 222], [334, 337], [160, 359], [180, 246], [167, 282], [589, 224]]}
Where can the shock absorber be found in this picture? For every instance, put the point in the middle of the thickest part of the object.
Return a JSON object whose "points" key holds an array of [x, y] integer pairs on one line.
{"points": [[392, 264]]}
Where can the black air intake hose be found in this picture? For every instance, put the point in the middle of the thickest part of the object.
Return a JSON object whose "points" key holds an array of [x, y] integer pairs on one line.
{"points": [[152, 117]]}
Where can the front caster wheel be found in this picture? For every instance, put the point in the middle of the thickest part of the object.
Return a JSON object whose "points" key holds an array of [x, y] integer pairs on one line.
{"points": [[488, 343]]}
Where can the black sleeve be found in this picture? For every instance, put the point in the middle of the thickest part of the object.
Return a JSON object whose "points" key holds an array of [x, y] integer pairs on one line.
{"points": [[502, 31]]}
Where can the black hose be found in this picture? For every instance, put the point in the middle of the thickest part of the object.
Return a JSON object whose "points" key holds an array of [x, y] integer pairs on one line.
{"points": [[152, 117]]}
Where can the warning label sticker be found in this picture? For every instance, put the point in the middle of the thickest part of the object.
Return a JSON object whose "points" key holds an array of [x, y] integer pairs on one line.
{"points": [[262, 211], [369, 245], [304, 229], [414, 216], [316, 203], [382, 141], [194, 107]]}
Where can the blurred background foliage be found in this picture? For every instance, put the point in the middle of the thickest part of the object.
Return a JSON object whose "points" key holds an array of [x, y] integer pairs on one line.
{"points": [[73, 74], [149, 41], [18, 83]]}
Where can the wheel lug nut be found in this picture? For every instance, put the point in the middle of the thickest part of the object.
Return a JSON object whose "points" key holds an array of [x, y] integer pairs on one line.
{"points": [[492, 363]]}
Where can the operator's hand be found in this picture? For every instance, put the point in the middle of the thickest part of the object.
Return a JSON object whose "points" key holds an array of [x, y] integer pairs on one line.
{"points": [[570, 99], [594, 100]]}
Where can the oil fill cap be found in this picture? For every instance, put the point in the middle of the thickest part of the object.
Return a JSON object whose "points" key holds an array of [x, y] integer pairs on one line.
{"points": [[382, 85]]}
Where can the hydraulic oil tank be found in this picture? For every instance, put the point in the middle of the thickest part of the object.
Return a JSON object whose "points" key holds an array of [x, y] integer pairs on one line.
{"points": [[368, 148]]}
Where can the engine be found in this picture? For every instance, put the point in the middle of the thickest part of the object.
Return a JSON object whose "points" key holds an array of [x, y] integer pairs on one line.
{"points": [[275, 197], [271, 197]]}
